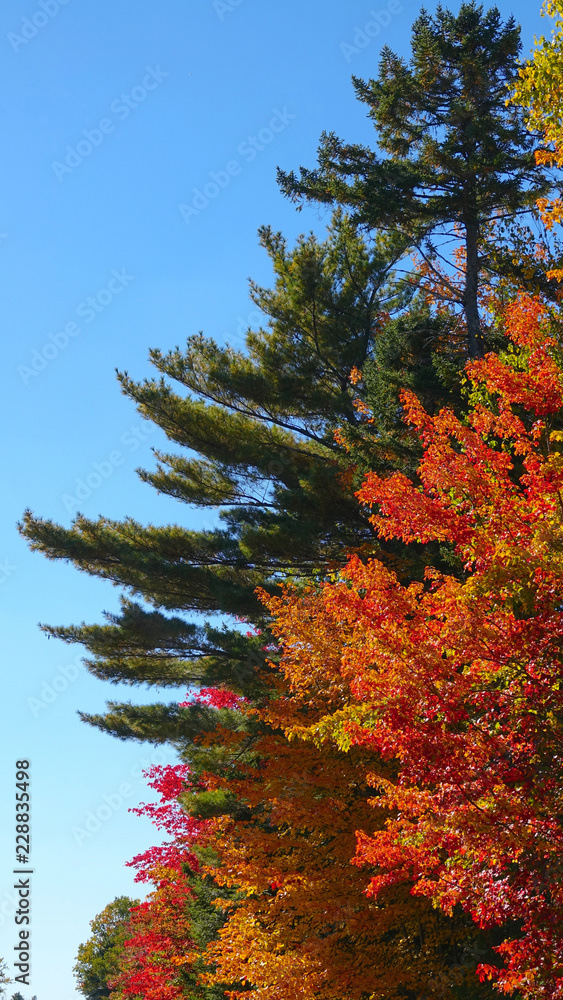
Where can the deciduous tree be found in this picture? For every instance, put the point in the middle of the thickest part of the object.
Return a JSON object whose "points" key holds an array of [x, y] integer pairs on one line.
{"points": [[161, 956], [98, 959], [455, 683]]}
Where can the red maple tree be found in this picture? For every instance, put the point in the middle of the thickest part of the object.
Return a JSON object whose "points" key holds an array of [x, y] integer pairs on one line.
{"points": [[160, 944]]}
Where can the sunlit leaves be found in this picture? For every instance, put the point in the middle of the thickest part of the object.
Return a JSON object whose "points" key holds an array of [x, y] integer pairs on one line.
{"points": [[455, 684]]}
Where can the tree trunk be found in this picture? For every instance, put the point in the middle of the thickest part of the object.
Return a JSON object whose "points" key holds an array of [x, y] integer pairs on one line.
{"points": [[470, 306]]}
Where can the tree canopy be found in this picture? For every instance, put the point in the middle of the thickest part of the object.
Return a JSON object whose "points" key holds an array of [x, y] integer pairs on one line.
{"points": [[456, 156]]}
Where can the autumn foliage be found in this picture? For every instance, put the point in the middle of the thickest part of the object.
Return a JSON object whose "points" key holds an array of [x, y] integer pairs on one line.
{"points": [[296, 916], [157, 949], [303, 925], [403, 786], [386, 822], [454, 682]]}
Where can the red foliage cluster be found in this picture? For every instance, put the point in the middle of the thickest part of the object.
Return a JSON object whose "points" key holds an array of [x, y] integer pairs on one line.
{"points": [[215, 698], [160, 928], [169, 781]]}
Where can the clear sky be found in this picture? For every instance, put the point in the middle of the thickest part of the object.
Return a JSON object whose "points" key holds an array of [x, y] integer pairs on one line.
{"points": [[115, 114]]}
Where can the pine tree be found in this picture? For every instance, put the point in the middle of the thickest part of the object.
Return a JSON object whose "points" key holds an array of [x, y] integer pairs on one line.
{"points": [[262, 422], [263, 425], [4, 979], [456, 157]]}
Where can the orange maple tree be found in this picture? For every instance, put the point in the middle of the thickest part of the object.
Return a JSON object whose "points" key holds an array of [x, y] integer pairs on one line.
{"points": [[297, 919], [455, 682], [302, 925]]}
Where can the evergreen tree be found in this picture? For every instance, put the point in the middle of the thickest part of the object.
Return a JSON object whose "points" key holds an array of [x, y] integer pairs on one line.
{"points": [[456, 156], [262, 422], [4, 978], [263, 426]]}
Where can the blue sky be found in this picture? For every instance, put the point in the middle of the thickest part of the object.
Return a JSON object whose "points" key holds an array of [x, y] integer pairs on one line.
{"points": [[114, 116]]}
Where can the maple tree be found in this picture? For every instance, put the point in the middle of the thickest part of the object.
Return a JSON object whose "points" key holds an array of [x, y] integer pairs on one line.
{"points": [[153, 961], [302, 925], [158, 953], [271, 902], [455, 683]]}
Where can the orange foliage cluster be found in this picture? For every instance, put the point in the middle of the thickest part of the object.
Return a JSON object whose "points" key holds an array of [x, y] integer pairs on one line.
{"points": [[303, 926]]}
